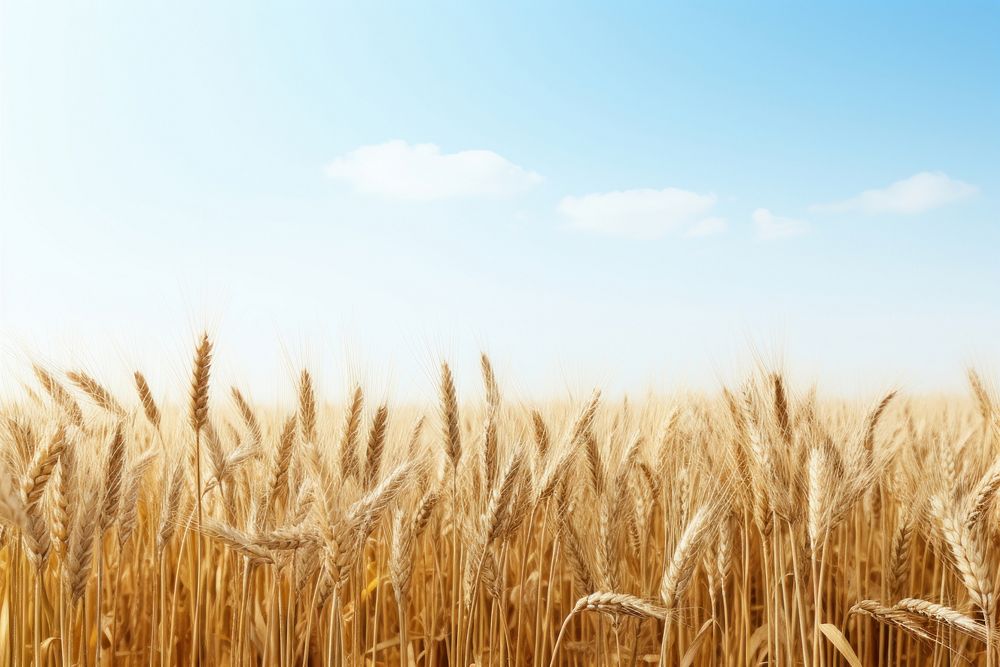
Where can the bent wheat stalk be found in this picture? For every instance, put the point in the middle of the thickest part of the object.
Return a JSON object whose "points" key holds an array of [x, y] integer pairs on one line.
{"points": [[613, 604]]}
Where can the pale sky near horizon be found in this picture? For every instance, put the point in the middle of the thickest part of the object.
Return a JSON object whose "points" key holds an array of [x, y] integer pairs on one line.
{"points": [[628, 195]]}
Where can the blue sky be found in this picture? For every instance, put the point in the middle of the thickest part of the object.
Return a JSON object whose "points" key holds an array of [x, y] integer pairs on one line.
{"points": [[628, 195]]}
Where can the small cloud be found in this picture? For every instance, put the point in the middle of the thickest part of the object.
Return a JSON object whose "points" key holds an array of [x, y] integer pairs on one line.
{"points": [[916, 194], [399, 170], [708, 227], [770, 226], [644, 213]]}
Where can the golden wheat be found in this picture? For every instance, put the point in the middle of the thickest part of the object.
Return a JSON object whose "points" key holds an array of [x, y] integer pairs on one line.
{"points": [[756, 526]]}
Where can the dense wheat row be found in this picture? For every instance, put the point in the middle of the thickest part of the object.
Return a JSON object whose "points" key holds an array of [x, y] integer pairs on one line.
{"points": [[758, 526]]}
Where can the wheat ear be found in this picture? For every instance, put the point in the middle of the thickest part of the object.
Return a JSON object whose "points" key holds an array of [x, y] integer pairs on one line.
{"points": [[609, 603], [59, 395], [376, 446], [149, 406], [449, 416], [278, 488], [101, 397], [889, 616], [249, 417], [944, 615], [349, 464], [114, 463], [307, 407], [967, 554], [677, 575]]}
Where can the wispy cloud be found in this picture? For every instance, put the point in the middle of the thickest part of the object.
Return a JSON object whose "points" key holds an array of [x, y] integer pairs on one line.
{"points": [[916, 194], [770, 226], [644, 213], [708, 227], [399, 170]]}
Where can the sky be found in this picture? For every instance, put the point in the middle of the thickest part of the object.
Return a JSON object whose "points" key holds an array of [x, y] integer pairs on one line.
{"points": [[640, 196]]}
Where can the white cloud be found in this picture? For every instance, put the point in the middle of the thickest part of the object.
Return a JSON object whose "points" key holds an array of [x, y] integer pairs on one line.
{"points": [[770, 226], [916, 194], [400, 170], [708, 227], [644, 213]]}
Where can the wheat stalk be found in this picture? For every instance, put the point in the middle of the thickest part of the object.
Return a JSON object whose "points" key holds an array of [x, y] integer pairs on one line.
{"points": [[758, 517]]}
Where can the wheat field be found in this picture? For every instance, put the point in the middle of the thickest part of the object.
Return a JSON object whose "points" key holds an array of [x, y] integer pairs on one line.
{"points": [[757, 525]]}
